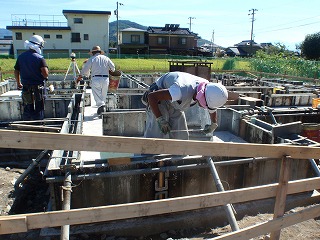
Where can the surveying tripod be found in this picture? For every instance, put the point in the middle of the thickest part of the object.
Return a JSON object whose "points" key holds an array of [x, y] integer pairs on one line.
{"points": [[72, 67]]}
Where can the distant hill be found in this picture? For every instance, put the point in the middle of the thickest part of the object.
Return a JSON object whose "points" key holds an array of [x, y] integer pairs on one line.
{"points": [[4, 33], [123, 24]]}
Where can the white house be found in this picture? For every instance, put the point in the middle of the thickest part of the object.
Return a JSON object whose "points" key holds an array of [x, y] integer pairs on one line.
{"points": [[83, 30], [132, 41]]}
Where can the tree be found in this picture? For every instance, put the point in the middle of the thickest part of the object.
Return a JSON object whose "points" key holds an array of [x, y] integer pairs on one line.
{"points": [[279, 50], [310, 47]]}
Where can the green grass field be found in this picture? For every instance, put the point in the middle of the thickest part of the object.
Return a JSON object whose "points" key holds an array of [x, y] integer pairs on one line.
{"points": [[294, 67], [128, 65]]}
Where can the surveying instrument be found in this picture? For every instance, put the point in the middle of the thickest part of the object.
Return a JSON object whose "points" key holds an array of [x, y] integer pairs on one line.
{"points": [[73, 67]]}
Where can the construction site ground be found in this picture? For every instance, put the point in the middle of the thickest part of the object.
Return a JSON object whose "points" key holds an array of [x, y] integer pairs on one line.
{"points": [[33, 197]]}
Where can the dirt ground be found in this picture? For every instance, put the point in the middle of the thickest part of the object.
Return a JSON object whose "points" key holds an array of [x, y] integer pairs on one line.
{"points": [[34, 197]]}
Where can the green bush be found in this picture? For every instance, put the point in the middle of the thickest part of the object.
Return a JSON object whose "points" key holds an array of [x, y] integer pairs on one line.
{"points": [[229, 64], [281, 64]]}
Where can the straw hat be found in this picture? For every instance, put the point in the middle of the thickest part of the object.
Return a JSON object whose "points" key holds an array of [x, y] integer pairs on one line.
{"points": [[96, 49]]}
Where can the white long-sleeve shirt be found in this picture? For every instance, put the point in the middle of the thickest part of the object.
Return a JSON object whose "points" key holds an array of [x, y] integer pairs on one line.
{"points": [[97, 65]]}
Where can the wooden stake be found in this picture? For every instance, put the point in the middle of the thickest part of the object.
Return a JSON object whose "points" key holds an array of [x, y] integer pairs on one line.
{"points": [[281, 196]]}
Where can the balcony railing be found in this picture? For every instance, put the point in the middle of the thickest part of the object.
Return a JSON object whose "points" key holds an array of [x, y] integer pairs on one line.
{"points": [[33, 20]]}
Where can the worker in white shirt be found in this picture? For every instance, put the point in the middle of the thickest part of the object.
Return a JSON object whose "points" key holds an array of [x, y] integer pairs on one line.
{"points": [[171, 95], [98, 65]]}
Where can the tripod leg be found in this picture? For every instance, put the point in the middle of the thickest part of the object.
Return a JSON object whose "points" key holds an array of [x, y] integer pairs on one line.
{"points": [[67, 72]]}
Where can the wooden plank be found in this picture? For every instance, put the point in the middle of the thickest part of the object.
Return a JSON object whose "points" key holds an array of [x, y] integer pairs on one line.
{"points": [[281, 196], [78, 142], [272, 225], [119, 161], [11, 224], [35, 127], [156, 207]]}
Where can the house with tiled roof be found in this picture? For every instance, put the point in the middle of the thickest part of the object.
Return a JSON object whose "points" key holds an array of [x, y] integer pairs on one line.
{"points": [[243, 49], [171, 39]]}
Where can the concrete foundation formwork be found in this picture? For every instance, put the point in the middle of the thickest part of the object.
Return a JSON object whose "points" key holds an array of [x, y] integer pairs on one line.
{"points": [[108, 178]]}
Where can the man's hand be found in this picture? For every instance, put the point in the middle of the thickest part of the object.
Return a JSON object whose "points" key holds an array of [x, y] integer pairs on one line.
{"points": [[79, 79], [163, 125], [210, 128]]}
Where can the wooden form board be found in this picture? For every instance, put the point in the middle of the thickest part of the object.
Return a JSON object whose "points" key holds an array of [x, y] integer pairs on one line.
{"points": [[78, 142], [273, 225], [24, 222]]}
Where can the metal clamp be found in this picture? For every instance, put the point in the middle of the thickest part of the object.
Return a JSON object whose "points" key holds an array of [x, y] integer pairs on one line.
{"points": [[159, 189], [68, 167], [159, 194]]}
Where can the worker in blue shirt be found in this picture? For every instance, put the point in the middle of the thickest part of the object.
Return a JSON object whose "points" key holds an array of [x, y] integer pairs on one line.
{"points": [[30, 72]]}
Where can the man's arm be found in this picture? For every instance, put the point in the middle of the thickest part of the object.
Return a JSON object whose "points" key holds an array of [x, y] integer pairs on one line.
{"points": [[17, 77], [85, 71], [209, 128], [155, 97], [45, 72], [111, 65], [213, 117]]}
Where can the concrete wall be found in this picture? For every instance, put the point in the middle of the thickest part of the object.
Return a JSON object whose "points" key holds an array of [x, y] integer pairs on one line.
{"points": [[124, 123], [299, 99]]}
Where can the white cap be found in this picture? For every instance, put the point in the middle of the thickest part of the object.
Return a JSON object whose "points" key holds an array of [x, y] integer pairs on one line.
{"points": [[216, 95]]}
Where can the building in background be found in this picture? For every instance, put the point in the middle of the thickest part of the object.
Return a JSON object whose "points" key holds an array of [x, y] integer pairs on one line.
{"points": [[245, 48], [6, 43], [82, 30], [133, 41], [171, 39]]}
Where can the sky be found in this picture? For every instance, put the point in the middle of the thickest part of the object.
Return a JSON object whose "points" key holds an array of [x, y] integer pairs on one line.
{"points": [[226, 22]]}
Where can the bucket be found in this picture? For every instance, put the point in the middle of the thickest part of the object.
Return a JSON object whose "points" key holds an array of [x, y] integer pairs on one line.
{"points": [[114, 80], [315, 102], [311, 131]]}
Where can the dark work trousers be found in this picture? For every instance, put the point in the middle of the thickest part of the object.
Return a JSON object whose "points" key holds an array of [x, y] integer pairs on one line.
{"points": [[33, 102]]}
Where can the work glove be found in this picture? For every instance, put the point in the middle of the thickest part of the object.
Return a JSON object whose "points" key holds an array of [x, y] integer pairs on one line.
{"points": [[144, 98], [163, 125], [210, 128]]}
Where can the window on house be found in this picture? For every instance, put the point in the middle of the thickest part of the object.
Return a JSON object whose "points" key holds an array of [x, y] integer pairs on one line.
{"points": [[162, 40], [58, 36], [75, 37], [85, 36], [46, 36], [135, 38], [78, 20], [18, 36], [183, 41]]}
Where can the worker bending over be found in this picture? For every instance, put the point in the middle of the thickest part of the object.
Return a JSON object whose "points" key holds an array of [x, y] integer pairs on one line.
{"points": [[171, 95]]}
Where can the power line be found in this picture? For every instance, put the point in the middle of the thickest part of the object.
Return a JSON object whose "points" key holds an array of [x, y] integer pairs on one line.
{"points": [[280, 29]]}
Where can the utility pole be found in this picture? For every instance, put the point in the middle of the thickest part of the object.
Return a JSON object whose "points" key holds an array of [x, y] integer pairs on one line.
{"points": [[116, 12], [252, 12], [190, 19], [212, 41]]}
